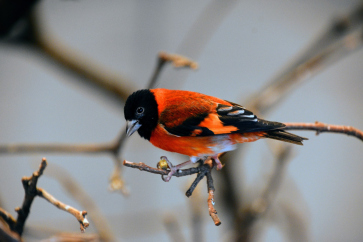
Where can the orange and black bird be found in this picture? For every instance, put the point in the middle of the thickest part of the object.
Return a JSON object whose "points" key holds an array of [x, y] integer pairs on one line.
{"points": [[196, 125]]}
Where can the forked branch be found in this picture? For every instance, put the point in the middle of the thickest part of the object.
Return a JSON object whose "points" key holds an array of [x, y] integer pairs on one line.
{"points": [[202, 170], [31, 191]]}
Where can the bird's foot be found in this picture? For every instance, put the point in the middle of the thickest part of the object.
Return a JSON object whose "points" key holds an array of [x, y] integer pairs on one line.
{"points": [[173, 169], [218, 162]]}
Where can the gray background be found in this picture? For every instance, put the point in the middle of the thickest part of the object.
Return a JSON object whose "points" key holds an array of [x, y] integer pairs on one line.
{"points": [[41, 103]]}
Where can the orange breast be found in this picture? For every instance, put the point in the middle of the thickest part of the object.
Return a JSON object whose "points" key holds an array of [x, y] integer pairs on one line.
{"points": [[200, 146]]}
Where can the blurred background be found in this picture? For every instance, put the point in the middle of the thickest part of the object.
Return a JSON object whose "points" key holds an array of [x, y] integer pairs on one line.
{"points": [[240, 46]]}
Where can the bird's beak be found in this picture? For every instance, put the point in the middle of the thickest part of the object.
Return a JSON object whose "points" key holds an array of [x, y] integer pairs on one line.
{"points": [[132, 126]]}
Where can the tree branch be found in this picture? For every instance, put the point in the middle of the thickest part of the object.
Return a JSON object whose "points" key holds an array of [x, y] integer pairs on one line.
{"points": [[30, 188], [8, 218], [57, 148], [203, 170], [31, 191], [79, 215], [143, 167], [321, 128]]}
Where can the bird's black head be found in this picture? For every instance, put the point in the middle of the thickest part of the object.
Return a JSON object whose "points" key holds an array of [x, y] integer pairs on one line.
{"points": [[141, 113]]}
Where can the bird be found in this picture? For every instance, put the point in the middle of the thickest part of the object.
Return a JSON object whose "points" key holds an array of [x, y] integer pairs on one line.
{"points": [[197, 125]]}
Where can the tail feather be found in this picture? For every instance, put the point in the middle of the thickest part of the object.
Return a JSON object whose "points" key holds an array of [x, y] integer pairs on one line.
{"points": [[282, 135]]}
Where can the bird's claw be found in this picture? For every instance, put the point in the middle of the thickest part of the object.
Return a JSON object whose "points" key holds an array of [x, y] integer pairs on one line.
{"points": [[219, 166], [218, 163], [173, 169]]}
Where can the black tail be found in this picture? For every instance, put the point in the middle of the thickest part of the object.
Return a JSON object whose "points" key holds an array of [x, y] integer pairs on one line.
{"points": [[282, 135]]}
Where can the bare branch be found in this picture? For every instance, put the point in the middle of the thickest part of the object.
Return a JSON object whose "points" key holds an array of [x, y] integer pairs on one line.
{"points": [[321, 128], [212, 211], [8, 218], [6, 234], [92, 74], [30, 187], [204, 170], [79, 215], [344, 36], [31, 191], [178, 60], [56, 148], [73, 237]]}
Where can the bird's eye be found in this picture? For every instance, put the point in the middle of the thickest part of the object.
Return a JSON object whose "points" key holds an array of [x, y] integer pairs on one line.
{"points": [[140, 110]]}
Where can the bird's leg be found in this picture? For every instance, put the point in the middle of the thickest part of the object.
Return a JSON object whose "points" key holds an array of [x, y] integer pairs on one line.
{"points": [[218, 162], [173, 169]]}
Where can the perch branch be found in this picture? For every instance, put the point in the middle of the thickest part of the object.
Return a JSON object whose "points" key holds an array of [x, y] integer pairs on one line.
{"points": [[203, 170], [143, 167], [321, 128]]}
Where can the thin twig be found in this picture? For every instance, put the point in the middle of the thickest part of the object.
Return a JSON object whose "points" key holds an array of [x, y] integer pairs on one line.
{"points": [[212, 210], [177, 60], [204, 169], [321, 128], [79, 215], [57, 148]]}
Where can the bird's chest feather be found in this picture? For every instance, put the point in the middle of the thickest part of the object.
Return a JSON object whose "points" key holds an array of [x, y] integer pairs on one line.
{"points": [[198, 146]]}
